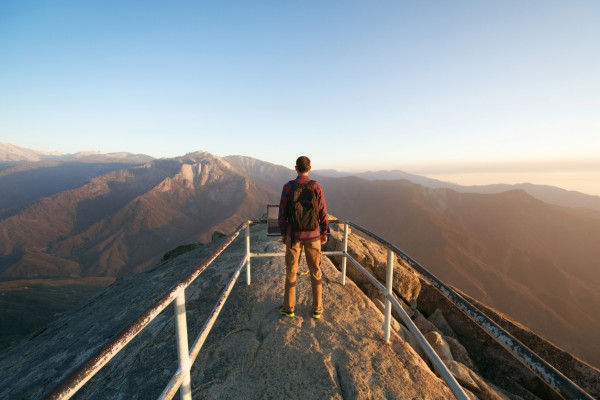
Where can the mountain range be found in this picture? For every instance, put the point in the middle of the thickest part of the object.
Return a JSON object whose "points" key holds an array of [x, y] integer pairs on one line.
{"points": [[11, 154], [548, 194], [533, 259], [123, 221]]}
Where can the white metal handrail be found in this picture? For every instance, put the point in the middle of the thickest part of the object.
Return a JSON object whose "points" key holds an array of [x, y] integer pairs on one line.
{"points": [[390, 301], [84, 373], [181, 379], [554, 379]]}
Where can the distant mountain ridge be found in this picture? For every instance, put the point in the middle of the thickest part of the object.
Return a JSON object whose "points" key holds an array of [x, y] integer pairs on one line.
{"points": [[124, 221], [548, 194], [11, 154], [534, 261], [29, 175], [25, 183], [25, 159], [386, 176], [265, 173]]}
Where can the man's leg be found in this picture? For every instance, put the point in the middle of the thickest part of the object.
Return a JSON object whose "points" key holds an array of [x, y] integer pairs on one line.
{"points": [[312, 250], [292, 257]]}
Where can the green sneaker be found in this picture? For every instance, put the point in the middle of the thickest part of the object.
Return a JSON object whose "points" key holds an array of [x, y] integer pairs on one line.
{"points": [[317, 314], [289, 314]]}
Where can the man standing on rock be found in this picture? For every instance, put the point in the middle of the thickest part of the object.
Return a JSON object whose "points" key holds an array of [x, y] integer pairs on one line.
{"points": [[303, 224]]}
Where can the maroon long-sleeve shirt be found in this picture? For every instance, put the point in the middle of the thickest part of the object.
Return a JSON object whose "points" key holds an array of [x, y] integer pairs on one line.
{"points": [[286, 228]]}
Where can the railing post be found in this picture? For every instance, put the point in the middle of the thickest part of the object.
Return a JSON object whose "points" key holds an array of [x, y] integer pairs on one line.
{"points": [[389, 273], [185, 392], [346, 231], [248, 277]]}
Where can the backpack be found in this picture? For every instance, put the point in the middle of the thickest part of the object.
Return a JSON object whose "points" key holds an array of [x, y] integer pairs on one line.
{"points": [[303, 209]]}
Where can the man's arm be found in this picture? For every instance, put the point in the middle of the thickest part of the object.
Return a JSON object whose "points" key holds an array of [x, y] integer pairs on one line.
{"points": [[323, 218], [281, 218]]}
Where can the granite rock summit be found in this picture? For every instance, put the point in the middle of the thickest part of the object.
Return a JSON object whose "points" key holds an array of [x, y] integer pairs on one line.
{"points": [[253, 352]]}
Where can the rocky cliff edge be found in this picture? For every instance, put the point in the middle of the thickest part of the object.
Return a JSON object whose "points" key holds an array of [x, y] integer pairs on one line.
{"points": [[253, 352]]}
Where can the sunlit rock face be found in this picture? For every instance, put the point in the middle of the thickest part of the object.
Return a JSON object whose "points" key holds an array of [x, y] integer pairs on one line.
{"points": [[122, 222], [406, 282], [479, 363], [253, 352]]}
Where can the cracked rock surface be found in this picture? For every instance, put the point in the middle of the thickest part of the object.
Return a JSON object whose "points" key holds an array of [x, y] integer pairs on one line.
{"points": [[252, 352], [340, 356]]}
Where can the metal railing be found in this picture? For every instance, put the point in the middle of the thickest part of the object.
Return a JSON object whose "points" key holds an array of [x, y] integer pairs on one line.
{"points": [[553, 378], [177, 293], [186, 358]]}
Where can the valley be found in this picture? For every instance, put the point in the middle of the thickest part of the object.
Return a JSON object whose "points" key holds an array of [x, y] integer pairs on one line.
{"points": [[27, 306], [530, 259]]}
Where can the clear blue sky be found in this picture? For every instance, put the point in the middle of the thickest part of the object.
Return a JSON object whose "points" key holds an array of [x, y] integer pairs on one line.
{"points": [[356, 85]]}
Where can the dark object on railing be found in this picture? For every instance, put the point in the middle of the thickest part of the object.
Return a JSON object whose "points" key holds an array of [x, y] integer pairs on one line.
{"points": [[272, 220]]}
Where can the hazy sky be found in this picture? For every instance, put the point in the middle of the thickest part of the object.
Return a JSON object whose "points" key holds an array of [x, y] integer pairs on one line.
{"points": [[355, 85]]}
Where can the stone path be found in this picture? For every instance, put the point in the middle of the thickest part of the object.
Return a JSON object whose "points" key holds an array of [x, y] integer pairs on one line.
{"points": [[252, 352]]}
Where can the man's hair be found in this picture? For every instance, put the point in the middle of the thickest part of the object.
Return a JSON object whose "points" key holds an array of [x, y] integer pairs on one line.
{"points": [[303, 164]]}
